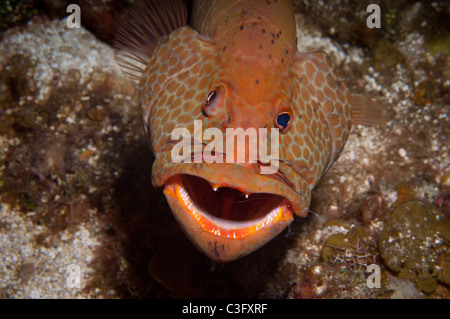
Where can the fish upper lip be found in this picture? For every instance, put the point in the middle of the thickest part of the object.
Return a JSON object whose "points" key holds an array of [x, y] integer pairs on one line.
{"points": [[279, 175], [166, 171]]}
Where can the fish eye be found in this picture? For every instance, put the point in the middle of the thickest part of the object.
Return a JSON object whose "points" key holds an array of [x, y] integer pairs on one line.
{"points": [[213, 101], [283, 121], [211, 97]]}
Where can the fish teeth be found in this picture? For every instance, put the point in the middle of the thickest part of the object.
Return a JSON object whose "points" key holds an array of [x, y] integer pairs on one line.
{"points": [[246, 195], [215, 189]]}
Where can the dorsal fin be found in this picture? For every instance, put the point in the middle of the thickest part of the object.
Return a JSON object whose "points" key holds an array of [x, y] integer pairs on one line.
{"points": [[367, 112], [141, 28]]}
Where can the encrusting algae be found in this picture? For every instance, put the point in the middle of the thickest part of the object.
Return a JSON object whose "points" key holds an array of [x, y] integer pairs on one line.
{"points": [[415, 242]]}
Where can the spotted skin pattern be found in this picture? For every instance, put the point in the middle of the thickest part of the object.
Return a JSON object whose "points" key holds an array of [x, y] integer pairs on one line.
{"points": [[247, 51]]}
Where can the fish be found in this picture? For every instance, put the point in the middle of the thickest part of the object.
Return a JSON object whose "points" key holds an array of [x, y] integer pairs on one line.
{"points": [[235, 66]]}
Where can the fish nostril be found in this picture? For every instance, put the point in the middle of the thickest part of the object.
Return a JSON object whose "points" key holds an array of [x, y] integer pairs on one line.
{"points": [[208, 111], [226, 122]]}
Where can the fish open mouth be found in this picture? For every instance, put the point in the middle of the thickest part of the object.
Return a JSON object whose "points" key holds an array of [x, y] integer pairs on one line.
{"points": [[225, 222], [229, 210], [228, 203]]}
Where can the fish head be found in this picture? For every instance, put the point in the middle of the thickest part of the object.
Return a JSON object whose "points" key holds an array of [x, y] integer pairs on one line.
{"points": [[228, 209], [191, 96]]}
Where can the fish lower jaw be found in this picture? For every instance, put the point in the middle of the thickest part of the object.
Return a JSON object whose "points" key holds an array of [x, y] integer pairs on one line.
{"points": [[238, 229]]}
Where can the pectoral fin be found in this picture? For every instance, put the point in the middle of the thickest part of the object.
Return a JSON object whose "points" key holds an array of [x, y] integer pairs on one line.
{"points": [[367, 112]]}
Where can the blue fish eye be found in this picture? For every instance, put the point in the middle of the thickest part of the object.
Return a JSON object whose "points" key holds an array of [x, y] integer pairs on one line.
{"points": [[211, 97], [283, 120]]}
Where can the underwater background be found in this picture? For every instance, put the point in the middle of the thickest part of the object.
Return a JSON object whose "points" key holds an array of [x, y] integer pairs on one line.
{"points": [[75, 168]]}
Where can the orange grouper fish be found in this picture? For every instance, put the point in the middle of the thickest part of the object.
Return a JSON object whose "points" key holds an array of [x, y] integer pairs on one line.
{"points": [[235, 66]]}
